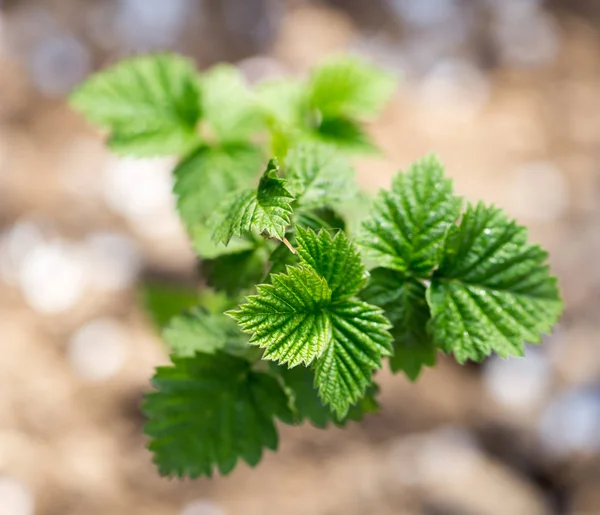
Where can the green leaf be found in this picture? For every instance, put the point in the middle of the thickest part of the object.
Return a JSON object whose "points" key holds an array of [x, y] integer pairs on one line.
{"points": [[345, 134], [283, 102], [266, 210], [208, 250], [205, 177], [228, 105], [316, 219], [210, 410], [307, 404], [333, 258], [350, 87], [305, 399], [201, 331], [150, 104], [403, 299], [164, 301], [234, 273], [319, 175], [360, 339], [409, 223], [492, 289], [287, 318]]}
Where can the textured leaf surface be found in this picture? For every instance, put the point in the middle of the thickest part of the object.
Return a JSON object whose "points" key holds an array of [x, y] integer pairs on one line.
{"points": [[360, 339], [322, 218], [348, 86], [150, 104], [409, 223], [319, 175], [210, 410], [308, 405], [208, 175], [228, 105], [403, 299], [201, 331], [333, 258], [288, 318], [267, 209], [492, 289]]}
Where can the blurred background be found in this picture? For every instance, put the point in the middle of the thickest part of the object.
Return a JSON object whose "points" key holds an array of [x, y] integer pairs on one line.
{"points": [[507, 92]]}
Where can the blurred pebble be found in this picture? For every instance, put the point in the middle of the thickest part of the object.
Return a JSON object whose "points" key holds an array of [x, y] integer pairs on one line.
{"points": [[202, 507], [526, 37], [137, 188], [539, 192], [15, 497], [53, 277], [456, 88], [518, 383], [143, 25], [449, 470], [15, 244], [260, 67], [571, 423], [97, 350], [114, 260], [58, 63], [425, 13]]}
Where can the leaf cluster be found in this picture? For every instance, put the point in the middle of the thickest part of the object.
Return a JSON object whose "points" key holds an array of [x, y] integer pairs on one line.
{"points": [[300, 310]]}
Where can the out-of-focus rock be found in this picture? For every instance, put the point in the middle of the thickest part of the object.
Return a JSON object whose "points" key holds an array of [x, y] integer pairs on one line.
{"points": [[202, 507], [449, 472], [518, 384], [98, 350], [571, 423], [15, 497]]}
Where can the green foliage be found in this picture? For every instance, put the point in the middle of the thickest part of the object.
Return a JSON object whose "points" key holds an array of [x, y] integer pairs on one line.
{"points": [[403, 299], [210, 410], [288, 318], [349, 87], [308, 315], [165, 301], [265, 210], [202, 331], [492, 289], [409, 223], [150, 105], [309, 324], [319, 176]]}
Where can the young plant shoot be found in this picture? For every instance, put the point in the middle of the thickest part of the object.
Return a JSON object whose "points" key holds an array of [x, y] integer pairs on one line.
{"points": [[309, 303]]}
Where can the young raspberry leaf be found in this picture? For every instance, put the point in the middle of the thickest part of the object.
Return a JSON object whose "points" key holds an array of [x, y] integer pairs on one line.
{"points": [[163, 301], [492, 290], [288, 318], [202, 331], [319, 175], [360, 339], [307, 404], [403, 299], [210, 410], [150, 104], [266, 210], [346, 134], [205, 177], [350, 87], [410, 222], [228, 105], [333, 258]]}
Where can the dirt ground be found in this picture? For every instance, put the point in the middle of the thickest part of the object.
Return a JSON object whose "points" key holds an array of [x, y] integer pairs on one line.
{"points": [[502, 439]]}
